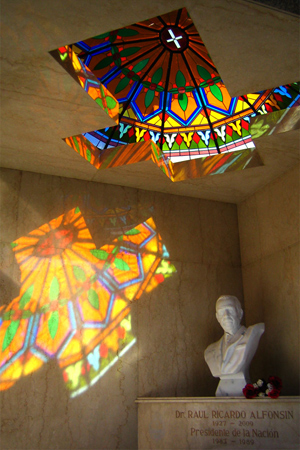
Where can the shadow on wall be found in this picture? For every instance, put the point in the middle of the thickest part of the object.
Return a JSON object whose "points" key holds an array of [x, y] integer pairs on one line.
{"points": [[75, 298]]}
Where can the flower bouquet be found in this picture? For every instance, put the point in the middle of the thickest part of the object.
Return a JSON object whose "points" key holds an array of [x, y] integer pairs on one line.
{"points": [[261, 388]]}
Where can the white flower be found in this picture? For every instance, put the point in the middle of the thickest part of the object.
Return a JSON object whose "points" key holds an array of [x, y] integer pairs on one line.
{"points": [[270, 386], [260, 383], [255, 385], [261, 394], [267, 391]]}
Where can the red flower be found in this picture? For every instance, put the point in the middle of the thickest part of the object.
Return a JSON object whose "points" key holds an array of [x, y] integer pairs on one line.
{"points": [[54, 242], [121, 332], [65, 376], [86, 285], [54, 305], [130, 74], [17, 315], [250, 391], [64, 238], [85, 368], [274, 393], [275, 382], [103, 350], [159, 277]]}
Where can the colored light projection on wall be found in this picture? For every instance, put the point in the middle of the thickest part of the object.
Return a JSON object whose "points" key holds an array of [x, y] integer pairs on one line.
{"points": [[173, 104], [277, 122], [87, 80], [75, 299]]}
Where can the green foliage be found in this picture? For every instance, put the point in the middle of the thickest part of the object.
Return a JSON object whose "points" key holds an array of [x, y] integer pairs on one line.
{"points": [[111, 102], [126, 32], [149, 97], [203, 73], [93, 298], [101, 36], [129, 51], [183, 101], [103, 63], [100, 102], [88, 155], [79, 273], [157, 75], [26, 297], [100, 254], [216, 92], [54, 289], [154, 149], [10, 334], [121, 265], [8, 314], [122, 85], [140, 65], [115, 250], [180, 79], [132, 232], [76, 145], [53, 323]]}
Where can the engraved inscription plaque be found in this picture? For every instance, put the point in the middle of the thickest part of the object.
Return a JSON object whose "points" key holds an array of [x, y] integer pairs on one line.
{"points": [[213, 423]]}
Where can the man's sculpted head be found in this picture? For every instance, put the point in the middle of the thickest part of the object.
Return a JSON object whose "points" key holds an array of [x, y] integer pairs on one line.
{"points": [[229, 313]]}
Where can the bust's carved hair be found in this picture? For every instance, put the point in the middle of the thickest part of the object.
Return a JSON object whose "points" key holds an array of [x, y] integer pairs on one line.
{"points": [[230, 297]]}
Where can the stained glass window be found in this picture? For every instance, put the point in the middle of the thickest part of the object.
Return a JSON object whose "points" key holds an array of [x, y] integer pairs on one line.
{"points": [[75, 299], [171, 95]]}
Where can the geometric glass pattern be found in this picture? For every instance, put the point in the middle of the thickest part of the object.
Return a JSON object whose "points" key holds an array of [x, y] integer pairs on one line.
{"points": [[75, 299], [172, 101]]}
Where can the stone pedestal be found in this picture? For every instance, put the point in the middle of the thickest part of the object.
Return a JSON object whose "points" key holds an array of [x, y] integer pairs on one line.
{"points": [[216, 423]]}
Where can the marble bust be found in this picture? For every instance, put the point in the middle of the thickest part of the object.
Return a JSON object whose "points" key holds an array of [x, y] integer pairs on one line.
{"points": [[230, 357]]}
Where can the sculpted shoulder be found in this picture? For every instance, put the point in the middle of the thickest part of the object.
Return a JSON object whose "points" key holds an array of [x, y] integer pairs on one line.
{"points": [[212, 348], [256, 330], [213, 357], [260, 327]]}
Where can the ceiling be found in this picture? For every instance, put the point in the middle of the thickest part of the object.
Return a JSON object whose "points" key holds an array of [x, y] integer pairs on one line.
{"points": [[291, 6], [253, 47]]}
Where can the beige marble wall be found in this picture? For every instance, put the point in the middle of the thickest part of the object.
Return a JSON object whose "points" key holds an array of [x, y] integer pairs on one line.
{"points": [[173, 323], [269, 239]]}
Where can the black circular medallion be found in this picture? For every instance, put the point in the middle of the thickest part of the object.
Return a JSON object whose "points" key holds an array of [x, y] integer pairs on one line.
{"points": [[174, 38]]}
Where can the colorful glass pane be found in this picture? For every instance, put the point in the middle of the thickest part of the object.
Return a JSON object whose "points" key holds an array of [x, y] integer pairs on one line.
{"points": [[171, 95], [75, 299]]}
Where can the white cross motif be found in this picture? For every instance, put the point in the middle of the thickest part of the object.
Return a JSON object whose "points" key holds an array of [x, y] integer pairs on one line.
{"points": [[174, 38]]}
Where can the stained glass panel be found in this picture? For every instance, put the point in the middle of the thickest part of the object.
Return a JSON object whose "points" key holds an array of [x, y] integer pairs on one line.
{"points": [[171, 95]]}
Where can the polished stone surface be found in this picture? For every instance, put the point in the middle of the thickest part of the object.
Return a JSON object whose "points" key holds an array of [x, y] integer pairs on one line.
{"points": [[270, 245], [204, 423], [170, 323]]}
